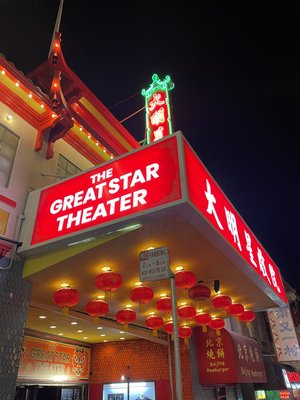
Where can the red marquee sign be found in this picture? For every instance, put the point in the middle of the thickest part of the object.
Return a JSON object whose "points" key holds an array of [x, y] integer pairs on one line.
{"points": [[135, 183], [161, 175]]}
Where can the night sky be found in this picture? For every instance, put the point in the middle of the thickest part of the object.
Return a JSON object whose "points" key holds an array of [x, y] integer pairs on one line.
{"points": [[236, 99]]}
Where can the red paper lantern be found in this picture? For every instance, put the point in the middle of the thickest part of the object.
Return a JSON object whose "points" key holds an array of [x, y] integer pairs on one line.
{"points": [[141, 295], [96, 309], [221, 301], [108, 281], [217, 324], [186, 312], [199, 292], [154, 322], [164, 304], [66, 298], [247, 316], [185, 279], [169, 327], [126, 316], [185, 332], [235, 309], [203, 319]]}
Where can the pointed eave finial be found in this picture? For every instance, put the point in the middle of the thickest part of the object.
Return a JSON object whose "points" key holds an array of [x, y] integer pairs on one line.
{"points": [[57, 25]]}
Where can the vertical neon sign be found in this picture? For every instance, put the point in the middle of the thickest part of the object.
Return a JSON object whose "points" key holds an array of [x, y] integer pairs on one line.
{"points": [[157, 104]]}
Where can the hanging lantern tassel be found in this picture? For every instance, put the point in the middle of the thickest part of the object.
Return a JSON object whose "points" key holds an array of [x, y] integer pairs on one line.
{"points": [[185, 332], [65, 298], [154, 322], [203, 319], [141, 294], [199, 293], [126, 316], [169, 328], [247, 316], [185, 280], [217, 324], [96, 309], [108, 281]]}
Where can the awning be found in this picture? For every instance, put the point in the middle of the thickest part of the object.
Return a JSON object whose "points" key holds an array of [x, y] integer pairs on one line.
{"points": [[228, 358]]}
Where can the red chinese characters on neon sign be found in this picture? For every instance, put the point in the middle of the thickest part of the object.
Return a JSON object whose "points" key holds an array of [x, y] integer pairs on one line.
{"points": [[158, 118], [213, 204]]}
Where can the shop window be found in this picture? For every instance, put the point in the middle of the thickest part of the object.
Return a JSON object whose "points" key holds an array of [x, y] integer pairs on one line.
{"points": [[8, 148], [66, 168]]}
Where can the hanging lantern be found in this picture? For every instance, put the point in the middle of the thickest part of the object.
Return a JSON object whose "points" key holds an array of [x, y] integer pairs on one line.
{"points": [[66, 297], [186, 312], [217, 324], [154, 322], [169, 327], [247, 316], [199, 293], [185, 332], [235, 309], [108, 281], [126, 316], [203, 319], [97, 308], [185, 279], [141, 294], [221, 302], [164, 304]]}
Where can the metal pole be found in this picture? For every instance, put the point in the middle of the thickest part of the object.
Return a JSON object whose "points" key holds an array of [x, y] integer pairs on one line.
{"points": [[176, 340]]}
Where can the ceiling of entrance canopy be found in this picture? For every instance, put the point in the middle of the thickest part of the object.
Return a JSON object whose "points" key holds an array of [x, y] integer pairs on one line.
{"points": [[188, 247]]}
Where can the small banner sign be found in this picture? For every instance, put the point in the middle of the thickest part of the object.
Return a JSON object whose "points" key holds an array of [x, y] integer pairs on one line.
{"points": [[284, 335], [49, 361]]}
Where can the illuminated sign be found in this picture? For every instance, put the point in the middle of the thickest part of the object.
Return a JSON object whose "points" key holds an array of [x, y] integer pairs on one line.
{"points": [[157, 105], [228, 358], [135, 183], [129, 391], [284, 334], [159, 176], [214, 205], [49, 361]]}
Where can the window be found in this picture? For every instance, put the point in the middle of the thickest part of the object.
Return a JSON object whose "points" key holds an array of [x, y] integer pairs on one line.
{"points": [[8, 148], [65, 168]]}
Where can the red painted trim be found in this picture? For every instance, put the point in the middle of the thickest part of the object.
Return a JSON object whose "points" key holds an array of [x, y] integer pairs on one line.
{"points": [[8, 201], [20, 107], [73, 140], [100, 129]]}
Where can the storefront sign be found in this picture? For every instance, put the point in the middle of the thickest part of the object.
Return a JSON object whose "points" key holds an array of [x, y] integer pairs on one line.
{"points": [[213, 204], [135, 183], [284, 335], [49, 361], [228, 358], [158, 113]]}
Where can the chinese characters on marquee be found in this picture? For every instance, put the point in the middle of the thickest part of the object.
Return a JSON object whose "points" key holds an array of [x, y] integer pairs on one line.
{"points": [[284, 335], [255, 255], [213, 204]]}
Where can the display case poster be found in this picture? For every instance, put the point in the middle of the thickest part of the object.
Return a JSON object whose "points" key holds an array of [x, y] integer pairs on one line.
{"points": [[129, 391], [47, 360]]}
